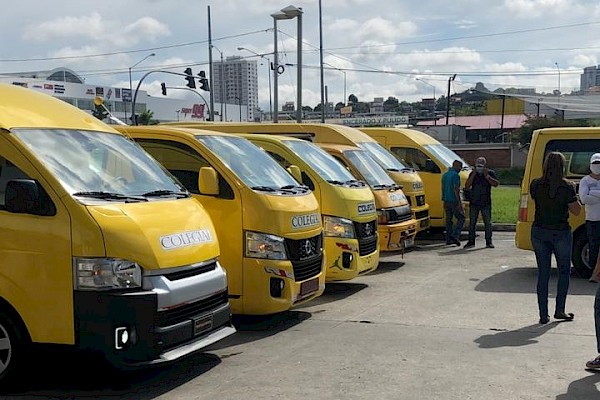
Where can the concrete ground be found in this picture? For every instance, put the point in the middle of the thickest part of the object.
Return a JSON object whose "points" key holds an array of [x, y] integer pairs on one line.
{"points": [[439, 322]]}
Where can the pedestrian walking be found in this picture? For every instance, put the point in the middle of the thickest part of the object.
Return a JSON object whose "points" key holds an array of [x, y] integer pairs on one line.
{"points": [[479, 184], [453, 207], [554, 198]]}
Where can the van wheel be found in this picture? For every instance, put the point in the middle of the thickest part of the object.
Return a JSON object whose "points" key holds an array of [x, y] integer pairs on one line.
{"points": [[580, 255], [12, 349]]}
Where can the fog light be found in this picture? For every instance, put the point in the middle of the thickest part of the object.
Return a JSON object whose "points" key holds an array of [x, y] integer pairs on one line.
{"points": [[124, 337], [347, 260], [276, 286]]}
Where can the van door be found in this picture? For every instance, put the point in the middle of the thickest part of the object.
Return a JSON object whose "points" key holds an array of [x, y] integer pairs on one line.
{"points": [[35, 256]]}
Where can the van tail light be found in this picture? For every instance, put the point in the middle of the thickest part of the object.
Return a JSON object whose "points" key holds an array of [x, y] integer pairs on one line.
{"points": [[523, 207]]}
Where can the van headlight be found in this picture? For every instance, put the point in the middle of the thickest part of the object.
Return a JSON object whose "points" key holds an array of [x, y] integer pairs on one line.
{"points": [[262, 245], [338, 227], [106, 274]]}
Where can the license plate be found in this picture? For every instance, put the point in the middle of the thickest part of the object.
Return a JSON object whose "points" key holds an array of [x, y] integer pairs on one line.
{"points": [[203, 324], [309, 287], [410, 242]]}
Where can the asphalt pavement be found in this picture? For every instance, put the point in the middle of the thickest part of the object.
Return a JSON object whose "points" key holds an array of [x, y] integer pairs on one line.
{"points": [[438, 322]]}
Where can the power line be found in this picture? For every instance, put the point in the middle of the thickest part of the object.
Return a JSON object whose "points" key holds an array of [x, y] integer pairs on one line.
{"points": [[134, 51]]}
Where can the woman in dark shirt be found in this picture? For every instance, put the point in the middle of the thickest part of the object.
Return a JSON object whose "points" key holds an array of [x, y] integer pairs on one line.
{"points": [[554, 198]]}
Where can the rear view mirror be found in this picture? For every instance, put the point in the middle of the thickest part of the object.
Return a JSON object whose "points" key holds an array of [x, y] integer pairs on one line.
{"points": [[294, 170], [208, 181], [432, 167], [25, 196]]}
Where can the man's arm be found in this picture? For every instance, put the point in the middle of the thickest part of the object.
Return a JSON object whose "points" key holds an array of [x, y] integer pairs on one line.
{"points": [[586, 195], [490, 177], [470, 179]]}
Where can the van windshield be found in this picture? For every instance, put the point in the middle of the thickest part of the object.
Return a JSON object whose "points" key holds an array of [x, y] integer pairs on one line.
{"points": [[318, 159], [444, 154], [100, 165], [369, 169], [249, 162], [382, 156]]}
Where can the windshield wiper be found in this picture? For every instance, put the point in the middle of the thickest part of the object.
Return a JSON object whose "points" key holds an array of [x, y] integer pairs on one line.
{"points": [[354, 182], [109, 196], [393, 169], [165, 192], [264, 188], [382, 186], [334, 182]]}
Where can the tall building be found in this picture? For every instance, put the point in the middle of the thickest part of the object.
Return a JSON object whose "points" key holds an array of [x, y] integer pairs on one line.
{"points": [[235, 81], [590, 78]]}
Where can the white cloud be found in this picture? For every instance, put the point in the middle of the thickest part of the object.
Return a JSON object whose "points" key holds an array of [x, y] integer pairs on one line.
{"points": [[536, 8]]}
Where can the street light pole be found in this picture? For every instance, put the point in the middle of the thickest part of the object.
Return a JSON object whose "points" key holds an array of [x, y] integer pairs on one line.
{"points": [[558, 69], [130, 84], [434, 105], [268, 74], [321, 64], [221, 79], [450, 79]]}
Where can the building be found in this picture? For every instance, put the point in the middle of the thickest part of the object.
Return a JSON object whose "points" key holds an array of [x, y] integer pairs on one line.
{"points": [[590, 79], [235, 81], [68, 86]]}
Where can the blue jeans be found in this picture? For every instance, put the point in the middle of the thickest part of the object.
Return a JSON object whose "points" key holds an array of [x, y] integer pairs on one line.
{"points": [[545, 243], [486, 214], [593, 233], [452, 211]]}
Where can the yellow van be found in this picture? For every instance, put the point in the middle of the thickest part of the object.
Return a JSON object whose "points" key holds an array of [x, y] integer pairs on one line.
{"points": [[409, 181], [430, 158], [347, 205], [100, 248], [269, 227], [577, 145], [395, 224]]}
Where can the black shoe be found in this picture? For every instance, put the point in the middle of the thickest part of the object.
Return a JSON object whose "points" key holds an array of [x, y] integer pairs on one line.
{"points": [[469, 245], [545, 320], [456, 242], [565, 316], [490, 246]]}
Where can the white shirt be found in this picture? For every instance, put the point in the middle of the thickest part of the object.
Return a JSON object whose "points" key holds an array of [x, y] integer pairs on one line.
{"points": [[589, 195]]}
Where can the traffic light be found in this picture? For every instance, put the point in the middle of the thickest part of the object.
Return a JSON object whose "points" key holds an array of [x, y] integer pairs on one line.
{"points": [[190, 78], [203, 81], [163, 88]]}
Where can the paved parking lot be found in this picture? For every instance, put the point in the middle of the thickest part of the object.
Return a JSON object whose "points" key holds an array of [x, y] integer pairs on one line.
{"points": [[439, 322]]}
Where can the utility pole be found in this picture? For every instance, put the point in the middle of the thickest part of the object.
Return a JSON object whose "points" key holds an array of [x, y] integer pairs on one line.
{"points": [[210, 64], [448, 98]]}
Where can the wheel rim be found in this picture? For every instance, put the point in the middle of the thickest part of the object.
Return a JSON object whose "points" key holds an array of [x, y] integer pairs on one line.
{"points": [[5, 349]]}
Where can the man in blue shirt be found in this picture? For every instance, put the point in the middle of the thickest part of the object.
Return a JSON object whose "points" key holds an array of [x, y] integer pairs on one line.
{"points": [[452, 204]]}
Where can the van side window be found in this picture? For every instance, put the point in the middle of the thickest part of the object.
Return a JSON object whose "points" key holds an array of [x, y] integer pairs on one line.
{"points": [[413, 158], [184, 163], [577, 154], [9, 172]]}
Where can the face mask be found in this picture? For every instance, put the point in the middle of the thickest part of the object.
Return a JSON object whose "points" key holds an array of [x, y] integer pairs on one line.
{"points": [[595, 168], [479, 169]]}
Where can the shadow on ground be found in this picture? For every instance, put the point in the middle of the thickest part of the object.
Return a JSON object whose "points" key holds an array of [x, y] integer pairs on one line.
{"points": [[519, 337], [524, 280], [336, 291], [584, 388], [81, 376], [387, 266], [251, 328]]}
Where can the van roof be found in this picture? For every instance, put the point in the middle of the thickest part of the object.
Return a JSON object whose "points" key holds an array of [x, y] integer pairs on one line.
{"points": [[569, 130], [417, 136], [27, 108], [267, 137], [192, 131]]}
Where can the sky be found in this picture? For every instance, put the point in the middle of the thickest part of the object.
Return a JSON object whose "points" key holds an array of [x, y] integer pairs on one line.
{"points": [[371, 48]]}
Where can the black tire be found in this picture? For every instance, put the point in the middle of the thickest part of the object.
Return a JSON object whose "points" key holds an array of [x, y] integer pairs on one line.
{"points": [[12, 350], [580, 256]]}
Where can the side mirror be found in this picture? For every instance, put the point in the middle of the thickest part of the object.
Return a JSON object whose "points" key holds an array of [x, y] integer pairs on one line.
{"points": [[430, 166], [294, 170], [25, 196], [208, 181]]}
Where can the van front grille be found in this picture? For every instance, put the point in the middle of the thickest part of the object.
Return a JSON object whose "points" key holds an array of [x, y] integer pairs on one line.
{"points": [[366, 233], [307, 269], [422, 214], [186, 312]]}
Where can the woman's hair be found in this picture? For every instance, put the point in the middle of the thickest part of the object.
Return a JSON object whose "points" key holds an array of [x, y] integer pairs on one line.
{"points": [[553, 173]]}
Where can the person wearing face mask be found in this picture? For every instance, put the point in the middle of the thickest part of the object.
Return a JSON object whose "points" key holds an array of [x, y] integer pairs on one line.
{"points": [[589, 195], [480, 183]]}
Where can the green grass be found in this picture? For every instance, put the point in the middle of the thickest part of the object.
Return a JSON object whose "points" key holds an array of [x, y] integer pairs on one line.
{"points": [[505, 204]]}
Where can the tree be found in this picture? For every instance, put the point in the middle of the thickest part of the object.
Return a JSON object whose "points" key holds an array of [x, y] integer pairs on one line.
{"points": [[391, 104], [352, 99], [524, 133], [147, 118], [339, 106]]}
